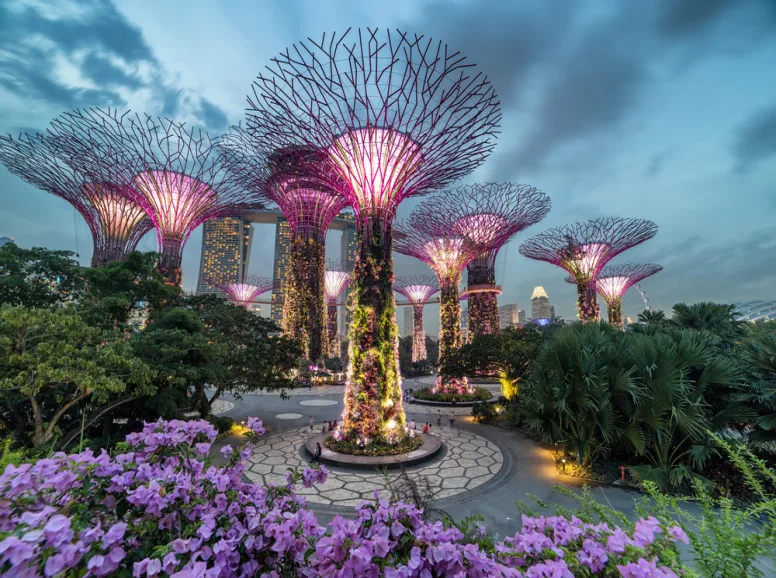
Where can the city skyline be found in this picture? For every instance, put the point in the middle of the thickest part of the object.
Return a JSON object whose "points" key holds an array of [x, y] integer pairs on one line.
{"points": [[630, 142]]}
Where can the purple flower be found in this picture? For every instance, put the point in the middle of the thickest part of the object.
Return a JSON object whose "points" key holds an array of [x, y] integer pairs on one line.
{"points": [[227, 451], [255, 425], [676, 534], [644, 568]]}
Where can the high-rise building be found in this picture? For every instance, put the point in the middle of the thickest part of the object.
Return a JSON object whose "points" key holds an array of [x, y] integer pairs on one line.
{"points": [[628, 321], [464, 325], [409, 321], [552, 311], [521, 316], [5, 241], [280, 267], [540, 304], [226, 250], [348, 248], [507, 315]]}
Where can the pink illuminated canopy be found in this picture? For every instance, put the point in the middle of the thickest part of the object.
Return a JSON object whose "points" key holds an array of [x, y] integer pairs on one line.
{"points": [[613, 287], [418, 293], [335, 281], [447, 256], [483, 229], [244, 293], [589, 259], [376, 163], [119, 215]]}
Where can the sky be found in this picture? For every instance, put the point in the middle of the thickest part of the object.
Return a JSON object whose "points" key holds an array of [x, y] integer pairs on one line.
{"points": [[658, 109]]}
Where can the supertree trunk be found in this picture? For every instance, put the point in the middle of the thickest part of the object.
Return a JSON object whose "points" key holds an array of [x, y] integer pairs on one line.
{"points": [[418, 334], [373, 406], [449, 318], [587, 301], [483, 307], [331, 320], [304, 311], [170, 261], [614, 312]]}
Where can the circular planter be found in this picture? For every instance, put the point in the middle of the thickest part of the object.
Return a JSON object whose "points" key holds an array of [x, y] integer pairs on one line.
{"points": [[493, 399], [430, 448]]}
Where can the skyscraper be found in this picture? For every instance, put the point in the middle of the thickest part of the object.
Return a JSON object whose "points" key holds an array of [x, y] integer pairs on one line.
{"points": [[348, 249], [540, 304], [409, 320], [5, 241], [280, 267], [507, 315], [552, 311], [226, 250], [521, 316]]}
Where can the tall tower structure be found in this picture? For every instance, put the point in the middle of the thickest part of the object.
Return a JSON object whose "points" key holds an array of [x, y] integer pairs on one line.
{"points": [[540, 304], [521, 315], [507, 315], [280, 267], [226, 251]]}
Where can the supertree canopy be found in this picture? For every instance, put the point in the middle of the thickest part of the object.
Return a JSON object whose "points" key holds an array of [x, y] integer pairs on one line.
{"points": [[399, 115], [490, 215], [173, 173], [417, 289], [430, 237], [300, 181], [614, 281], [337, 278], [245, 292], [583, 249], [116, 223]]}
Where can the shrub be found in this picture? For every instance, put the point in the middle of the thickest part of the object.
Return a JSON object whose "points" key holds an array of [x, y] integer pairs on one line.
{"points": [[404, 446], [477, 394], [483, 412], [223, 424]]}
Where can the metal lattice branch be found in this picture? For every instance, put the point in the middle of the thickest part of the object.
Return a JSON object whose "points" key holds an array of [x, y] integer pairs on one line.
{"points": [[337, 278], [398, 114], [583, 249], [247, 291], [417, 289], [116, 223], [299, 181], [174, 173], [615, 280], [436, 244]]}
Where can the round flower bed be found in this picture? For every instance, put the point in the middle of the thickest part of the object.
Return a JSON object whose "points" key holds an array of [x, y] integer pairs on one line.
{"points": [[373, 448], [477, 394]]}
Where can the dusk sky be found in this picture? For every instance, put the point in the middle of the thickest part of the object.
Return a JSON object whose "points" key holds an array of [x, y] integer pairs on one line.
{"points": [[641, 108]]}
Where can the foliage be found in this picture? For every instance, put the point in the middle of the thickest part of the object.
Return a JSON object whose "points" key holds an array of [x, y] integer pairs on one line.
{"points": [[223, 424], [156, 507], [417, 368], [333, 363], [483, 412], [38, 277], [449, 318], [429, 394], [713, 317], [57, 363], [405, 445], [8, 455], [510, 352], [758, 356], [117, 290], [414, 490]]}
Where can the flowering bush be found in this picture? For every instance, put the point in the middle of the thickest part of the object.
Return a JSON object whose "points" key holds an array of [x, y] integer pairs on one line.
{"points": [[158, 508]]}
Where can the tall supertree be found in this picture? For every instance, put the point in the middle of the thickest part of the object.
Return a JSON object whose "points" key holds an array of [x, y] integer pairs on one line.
{"points": [[116, 223], [418, 289], [428, 235], [174, 173], [583, 249], [614, 281], [301, 182], [337, 278], [244, 293], [399, 115], [489, 214]]}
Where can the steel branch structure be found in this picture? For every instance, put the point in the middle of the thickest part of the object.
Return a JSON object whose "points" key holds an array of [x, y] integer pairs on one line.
{"points": [[417, 289], [116, 223], [614, 281], [245, 292], [399, 115], [489, 214], [337, 278], [174, 173], [583, 249], [430, 237], [294, 179]]}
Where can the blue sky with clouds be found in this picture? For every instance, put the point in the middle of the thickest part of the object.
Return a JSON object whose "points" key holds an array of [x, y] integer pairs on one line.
{"points": [[647, 108]]}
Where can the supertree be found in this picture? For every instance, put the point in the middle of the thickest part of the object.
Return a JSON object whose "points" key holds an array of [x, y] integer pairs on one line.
{"points": [[337, 278], [583, 249], [489, 214], [116, 223], [175, 174], [244, 293], [301, 182], [399, 116], [429, 235], [614, 281], [418, 289]]}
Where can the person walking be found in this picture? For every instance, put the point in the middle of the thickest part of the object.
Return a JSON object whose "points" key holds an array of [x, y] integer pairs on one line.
{"points": [[451, 417], [312, 425], [439, 419]]}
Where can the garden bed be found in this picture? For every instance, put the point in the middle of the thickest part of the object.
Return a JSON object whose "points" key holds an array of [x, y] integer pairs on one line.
{"points": [[352, 448], [428, 396], [429, 448]]}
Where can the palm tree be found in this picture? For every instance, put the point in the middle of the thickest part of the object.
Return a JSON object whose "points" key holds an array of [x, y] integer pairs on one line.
{"points": [[718, 318], [653, 318], [759, 360]]}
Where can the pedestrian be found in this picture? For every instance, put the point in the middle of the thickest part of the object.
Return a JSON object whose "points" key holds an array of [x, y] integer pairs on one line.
{"points": [[312, 425], [413, 425], [323, 428], [451, 417], [334, 425], [328, 423], [317, 453], [439, 420], [425, 428]]}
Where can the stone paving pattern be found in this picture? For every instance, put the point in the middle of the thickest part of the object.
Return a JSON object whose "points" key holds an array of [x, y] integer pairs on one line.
{"points": [[470, 461]]}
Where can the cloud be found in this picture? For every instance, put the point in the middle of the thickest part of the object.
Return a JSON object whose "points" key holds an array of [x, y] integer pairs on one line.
{"points": [[755, 140], [656, 163], [214, 117], [688, 15]]}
